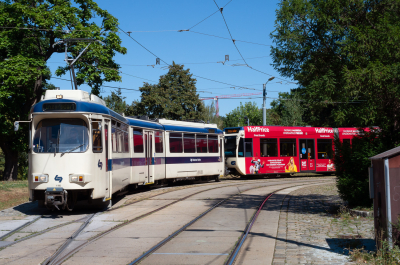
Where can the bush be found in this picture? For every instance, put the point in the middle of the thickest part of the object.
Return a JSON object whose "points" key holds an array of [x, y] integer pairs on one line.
{"points": [[352, 164]]}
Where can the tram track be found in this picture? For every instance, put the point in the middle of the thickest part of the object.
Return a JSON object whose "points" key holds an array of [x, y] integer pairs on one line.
{"points": [[237, 247], [16, 230], [59, 256], [98, 236], [102, 234], [54, 258]]}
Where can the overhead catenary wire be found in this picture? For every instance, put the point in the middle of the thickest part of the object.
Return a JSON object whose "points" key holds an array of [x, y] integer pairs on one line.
{"points": [[233, 40]]}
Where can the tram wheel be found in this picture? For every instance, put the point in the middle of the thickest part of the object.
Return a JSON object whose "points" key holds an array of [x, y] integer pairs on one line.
{"points": [[217, 178]]}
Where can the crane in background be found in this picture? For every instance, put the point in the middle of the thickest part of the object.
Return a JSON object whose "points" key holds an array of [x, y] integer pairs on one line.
{"points": [[229, 96]]}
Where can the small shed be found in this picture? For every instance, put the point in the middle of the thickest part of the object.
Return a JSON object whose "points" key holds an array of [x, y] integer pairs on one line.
{"points": [[385, 192]]}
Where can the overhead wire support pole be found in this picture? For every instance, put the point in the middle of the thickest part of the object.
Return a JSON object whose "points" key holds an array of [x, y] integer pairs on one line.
{"points": [[264, 95]]}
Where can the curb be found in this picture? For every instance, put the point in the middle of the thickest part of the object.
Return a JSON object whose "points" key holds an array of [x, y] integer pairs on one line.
{"points": [[361, 213]]}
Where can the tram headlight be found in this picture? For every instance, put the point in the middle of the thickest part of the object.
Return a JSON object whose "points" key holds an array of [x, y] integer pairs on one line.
{"points": [[77, 178], [40, 178]]}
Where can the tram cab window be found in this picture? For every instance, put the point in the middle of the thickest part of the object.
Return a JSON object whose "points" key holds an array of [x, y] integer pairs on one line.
{"points": [[138, 140], [189, 143], [269, 147], [61, 135], [120, 137], [175, 143], [212, 144], [324, 148], [159, 142], [97, 145], [230, 146], [201, 143], [288, 147], [248, 147], [241, 148]]}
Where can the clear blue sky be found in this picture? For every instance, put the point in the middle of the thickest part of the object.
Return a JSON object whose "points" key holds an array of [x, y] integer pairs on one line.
{"points": [[154, 24]]}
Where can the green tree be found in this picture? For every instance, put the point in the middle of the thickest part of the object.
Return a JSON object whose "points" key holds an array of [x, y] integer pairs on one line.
{"points": [[116, 102], [29, 28], [174, 97], [237, 116], [210, 115], [289, 108], [346, 59]]}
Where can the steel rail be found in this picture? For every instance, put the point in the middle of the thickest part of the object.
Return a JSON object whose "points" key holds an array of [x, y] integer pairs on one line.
{"points": [[238, 246], [80, 219], [186, 187], [53, 258], [167, 239], [43, 231], [19, 228], [73, 251]]}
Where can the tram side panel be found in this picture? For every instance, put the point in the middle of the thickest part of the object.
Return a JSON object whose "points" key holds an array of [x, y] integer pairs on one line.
{"points": [[121, 162], [192, 155], [138, 160], [159, 155]]}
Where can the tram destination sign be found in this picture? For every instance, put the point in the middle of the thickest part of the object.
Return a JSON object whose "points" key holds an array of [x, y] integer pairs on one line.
{"points": [[59, 107], [236, 130]]}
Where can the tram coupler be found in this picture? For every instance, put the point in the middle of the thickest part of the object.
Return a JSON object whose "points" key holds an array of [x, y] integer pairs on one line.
{"points": [[54, 197]]}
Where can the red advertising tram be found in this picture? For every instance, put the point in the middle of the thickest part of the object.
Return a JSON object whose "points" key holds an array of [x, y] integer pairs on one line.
{"points": [[282, 150]]}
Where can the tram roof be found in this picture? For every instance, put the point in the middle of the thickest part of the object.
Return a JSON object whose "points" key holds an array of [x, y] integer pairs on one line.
{"points": [[92, 107]]}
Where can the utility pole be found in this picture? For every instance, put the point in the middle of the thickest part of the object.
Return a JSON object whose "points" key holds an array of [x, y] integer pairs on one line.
{"points": [[264, 95]]}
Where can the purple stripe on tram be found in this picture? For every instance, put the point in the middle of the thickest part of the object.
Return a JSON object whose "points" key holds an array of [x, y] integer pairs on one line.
{"points": [[191, 160], [119, 163]]}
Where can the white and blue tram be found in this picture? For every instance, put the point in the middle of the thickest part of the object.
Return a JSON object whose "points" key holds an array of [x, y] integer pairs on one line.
{"points": [[82, 150]]}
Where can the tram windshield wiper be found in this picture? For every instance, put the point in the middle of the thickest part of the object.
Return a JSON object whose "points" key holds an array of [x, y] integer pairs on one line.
{"points": [[70, 150]]}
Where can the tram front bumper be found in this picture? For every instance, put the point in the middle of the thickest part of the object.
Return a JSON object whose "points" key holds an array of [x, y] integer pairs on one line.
{"points": [[54, 197]]}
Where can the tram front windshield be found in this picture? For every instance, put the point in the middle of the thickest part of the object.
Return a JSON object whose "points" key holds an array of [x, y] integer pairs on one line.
{"points": [[61, 136], [230, 146]]}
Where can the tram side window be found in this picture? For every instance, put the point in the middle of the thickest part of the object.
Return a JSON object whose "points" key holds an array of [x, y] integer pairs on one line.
{"points": [[114, 141], [324, 147], [212, 144], [120, 141], [159, 142], [126, 142], [201, 143], [96, 137], [269, 147], [189, 143], [138, 141], [288, 147], [241, 148], [248, 147], [175, 143]]}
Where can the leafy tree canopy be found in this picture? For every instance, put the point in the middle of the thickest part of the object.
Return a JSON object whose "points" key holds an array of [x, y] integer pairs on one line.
{"points": [[237, 116], [288, 110], [342, 52], [116, 101], [174, 97], [28, 30], [210, 115]]}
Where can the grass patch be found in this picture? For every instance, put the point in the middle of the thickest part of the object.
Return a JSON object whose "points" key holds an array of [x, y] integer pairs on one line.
{"points": [[13, 193]]}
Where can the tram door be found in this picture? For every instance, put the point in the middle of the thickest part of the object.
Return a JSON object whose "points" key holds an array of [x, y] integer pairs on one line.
{"points": [[307, 154], [149, 154], [108, 160]]}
